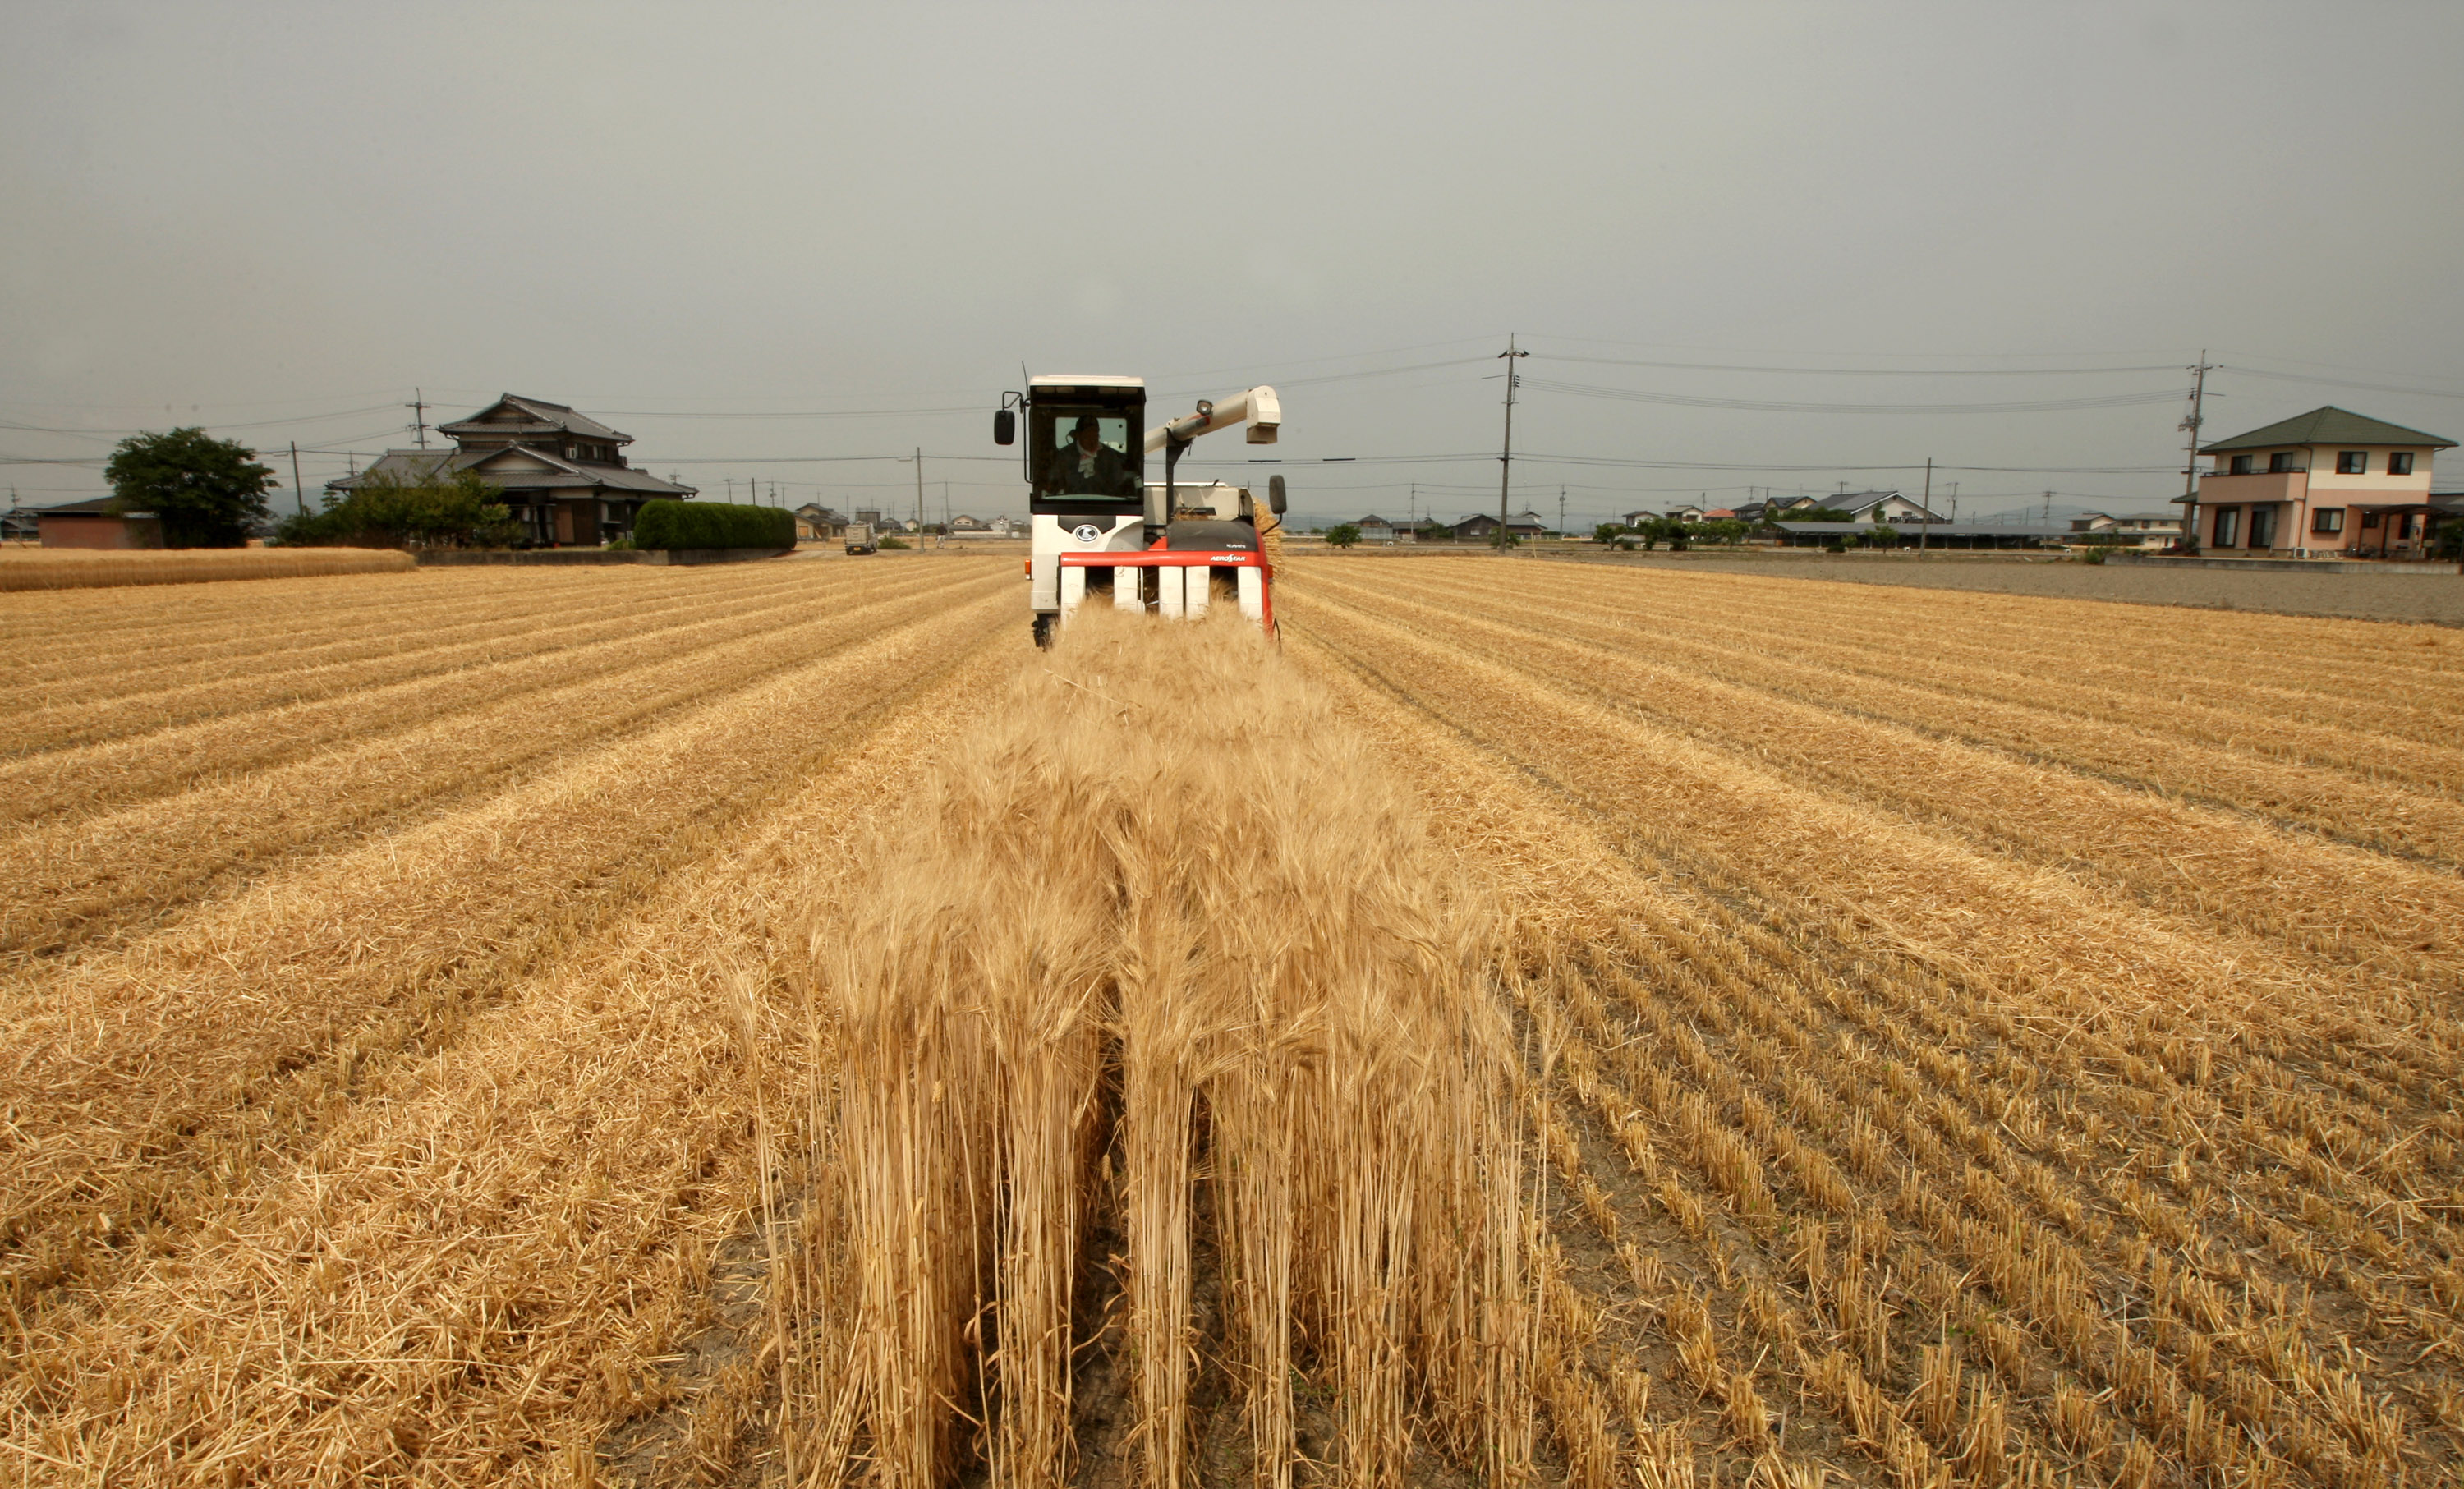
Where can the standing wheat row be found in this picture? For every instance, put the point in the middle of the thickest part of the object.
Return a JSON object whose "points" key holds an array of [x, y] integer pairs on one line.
{"points": [[1162, 956]]}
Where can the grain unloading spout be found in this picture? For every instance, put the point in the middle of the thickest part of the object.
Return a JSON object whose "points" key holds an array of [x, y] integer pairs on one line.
{"points": [[1258, 407]]}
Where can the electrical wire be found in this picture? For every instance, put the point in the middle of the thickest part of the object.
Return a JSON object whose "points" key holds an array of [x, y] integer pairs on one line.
{"points": [[824, 413], [2319, 382], [1618, 462], [258, 424], [1768, 406], [1861, 372]]}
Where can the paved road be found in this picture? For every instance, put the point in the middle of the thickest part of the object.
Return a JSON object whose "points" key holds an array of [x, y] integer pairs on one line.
{"points": [[2435, 599]]}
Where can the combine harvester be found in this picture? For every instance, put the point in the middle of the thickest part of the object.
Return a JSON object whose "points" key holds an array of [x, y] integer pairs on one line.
{"points": [[1101, 527]]}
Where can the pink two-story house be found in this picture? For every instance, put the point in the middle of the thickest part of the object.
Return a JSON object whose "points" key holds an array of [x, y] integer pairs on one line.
{"points": [[2327, 482]]}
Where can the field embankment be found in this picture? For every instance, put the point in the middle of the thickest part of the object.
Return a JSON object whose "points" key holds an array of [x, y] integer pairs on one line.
{"points": [[76, 568], [2432, 598]]}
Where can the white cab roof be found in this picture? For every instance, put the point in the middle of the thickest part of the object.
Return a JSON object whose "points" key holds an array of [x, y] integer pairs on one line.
{"points": [[1084, 380]]}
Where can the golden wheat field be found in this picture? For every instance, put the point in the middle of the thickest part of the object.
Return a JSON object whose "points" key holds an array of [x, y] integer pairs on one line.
{"points": [[1534, 1024], [23, 567]]}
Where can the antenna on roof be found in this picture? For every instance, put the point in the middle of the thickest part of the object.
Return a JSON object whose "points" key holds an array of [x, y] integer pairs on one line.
{"points": [[418, 407]]}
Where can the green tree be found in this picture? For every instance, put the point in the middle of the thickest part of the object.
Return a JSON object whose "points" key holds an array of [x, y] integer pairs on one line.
{"points": [[206, 491], [386, 510], [1343, 535], [1608, 532], [1884, 534]]}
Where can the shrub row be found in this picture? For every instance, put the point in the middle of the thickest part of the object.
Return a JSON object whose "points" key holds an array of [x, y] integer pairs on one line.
{"points": [[712, 524]]}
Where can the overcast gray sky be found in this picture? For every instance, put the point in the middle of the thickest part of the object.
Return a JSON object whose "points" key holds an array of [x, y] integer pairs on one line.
{"points": [[676, 216]]}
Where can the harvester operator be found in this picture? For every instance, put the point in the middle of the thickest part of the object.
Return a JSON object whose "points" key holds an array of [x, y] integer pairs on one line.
{"points": [[1088, 466]]}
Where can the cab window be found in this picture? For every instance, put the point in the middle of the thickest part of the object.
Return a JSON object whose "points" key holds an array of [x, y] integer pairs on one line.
{"points": [[1084, 454]]}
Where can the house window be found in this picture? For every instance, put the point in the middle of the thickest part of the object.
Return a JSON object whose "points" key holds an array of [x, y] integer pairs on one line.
{"points": [[2262, 527], [2400, 462], [2352, 462], [2327, 519], [2370, 519], [2228, 527], [2279, 463], [2240, 464]]}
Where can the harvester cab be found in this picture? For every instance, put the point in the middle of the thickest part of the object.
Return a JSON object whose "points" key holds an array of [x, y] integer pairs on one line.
{"points": [[1101, 530]]}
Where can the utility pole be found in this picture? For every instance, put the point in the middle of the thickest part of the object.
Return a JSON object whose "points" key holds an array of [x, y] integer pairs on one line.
{"points": [[919, 491], [299, 492], [2191, 466], [419, 415], [1926, 517], [731, 487], [1561, 512], [2047, 517], [1506, 456]]}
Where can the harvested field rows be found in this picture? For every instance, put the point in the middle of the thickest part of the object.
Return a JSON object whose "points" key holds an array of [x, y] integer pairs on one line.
{"points": [[331, 1093], [1617, 1026], [2023, 1120]]}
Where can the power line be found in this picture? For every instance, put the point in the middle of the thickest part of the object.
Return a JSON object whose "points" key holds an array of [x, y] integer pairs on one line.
{"points": [[1772, 351], [255, 423], [2317, 381], [795, 413], [1859, 372], [1768, 405]]}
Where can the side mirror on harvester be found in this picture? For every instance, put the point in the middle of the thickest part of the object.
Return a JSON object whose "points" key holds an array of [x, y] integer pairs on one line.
{"points": [[1005, 427], [1275, 494]]}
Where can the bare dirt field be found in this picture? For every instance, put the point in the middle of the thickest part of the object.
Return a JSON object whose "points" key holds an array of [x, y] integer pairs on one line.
{"points": [[2435, 599], [1639, 1025]]}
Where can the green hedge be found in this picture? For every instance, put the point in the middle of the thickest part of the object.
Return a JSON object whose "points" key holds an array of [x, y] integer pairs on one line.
{"points": [[712, 524]]}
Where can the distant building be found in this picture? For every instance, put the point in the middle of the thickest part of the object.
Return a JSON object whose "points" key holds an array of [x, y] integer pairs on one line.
{"points": [[1374, 529], [563, 473], [2152, 528], [92, 524], [2329, 481], [965, 527], [1524, 524], [814, 520], [868, 516], [1884, 507]]}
